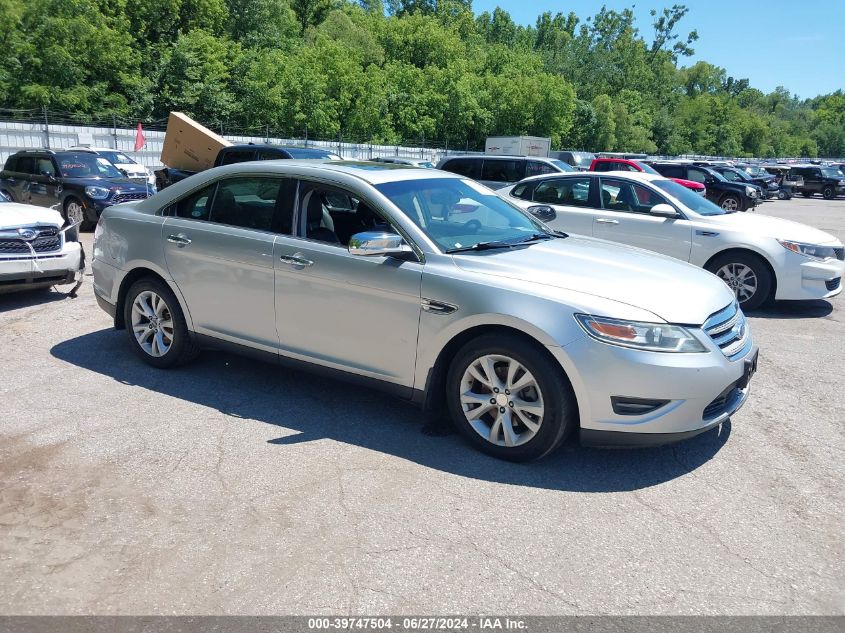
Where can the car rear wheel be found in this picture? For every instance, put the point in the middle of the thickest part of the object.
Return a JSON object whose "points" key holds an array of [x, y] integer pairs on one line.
{"points": [[828, 194], [730, 203], [509, 399], [746, 275], [156, 326]]}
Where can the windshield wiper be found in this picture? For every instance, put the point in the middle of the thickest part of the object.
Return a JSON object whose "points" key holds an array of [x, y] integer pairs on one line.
{"points": [[481, 246], [541, 236]]}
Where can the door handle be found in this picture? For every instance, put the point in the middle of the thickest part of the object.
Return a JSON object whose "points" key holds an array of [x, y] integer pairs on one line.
{"points": [[296, 260], [180, 239], [606, 221]]}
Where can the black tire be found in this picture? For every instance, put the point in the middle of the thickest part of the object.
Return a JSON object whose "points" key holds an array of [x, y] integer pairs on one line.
{"points": [[761, 272], [828, 193], [731, 202], [782, 195], [183, 348], [560, 411]]}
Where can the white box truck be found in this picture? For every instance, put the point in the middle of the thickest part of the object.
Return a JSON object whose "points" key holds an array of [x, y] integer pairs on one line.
{"points": [[518, 145]]}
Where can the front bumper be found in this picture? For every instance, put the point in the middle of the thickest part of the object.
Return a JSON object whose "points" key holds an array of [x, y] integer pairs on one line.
{"points": [[22, 273], [700, 391], [800, 278]]}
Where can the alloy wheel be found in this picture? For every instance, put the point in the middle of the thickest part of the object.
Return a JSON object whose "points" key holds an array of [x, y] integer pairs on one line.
{"points": [[75, 213], [739, 278], [152, 323], [730, 204], [501, 400]]}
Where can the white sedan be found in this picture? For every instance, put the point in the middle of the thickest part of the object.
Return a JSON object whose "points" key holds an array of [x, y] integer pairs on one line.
{"points": [[759, 257], [35, 251]]}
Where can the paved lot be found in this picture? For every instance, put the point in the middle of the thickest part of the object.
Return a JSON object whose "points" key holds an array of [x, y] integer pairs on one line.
{"points": [[232, 487]]}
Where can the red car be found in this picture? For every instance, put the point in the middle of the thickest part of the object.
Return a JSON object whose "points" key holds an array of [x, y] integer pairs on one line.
{"points": [[625, 164]]}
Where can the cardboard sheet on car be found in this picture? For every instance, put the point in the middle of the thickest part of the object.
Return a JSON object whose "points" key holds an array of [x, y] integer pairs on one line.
{"points": [[189, 145]]}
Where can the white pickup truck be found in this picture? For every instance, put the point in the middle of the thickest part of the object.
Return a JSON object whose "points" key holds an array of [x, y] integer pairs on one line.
{"points": [[36, 251]]}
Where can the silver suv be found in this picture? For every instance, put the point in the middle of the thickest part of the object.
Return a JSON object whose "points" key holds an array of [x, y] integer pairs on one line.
{"points": [[435, 288]]}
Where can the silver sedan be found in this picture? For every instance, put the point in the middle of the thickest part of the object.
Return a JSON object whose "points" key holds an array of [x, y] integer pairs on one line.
{"points": [[433, 287]]}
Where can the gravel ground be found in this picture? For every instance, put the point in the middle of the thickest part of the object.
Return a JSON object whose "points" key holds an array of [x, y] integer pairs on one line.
{"points": [[233, 487]]}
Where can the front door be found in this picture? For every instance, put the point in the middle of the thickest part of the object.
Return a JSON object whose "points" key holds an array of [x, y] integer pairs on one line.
{"points": [[218, 243], [340, 310], [625, 218], [44, 188], [570, 198]]}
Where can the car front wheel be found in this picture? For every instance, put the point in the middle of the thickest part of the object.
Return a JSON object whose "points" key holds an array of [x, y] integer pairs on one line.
{"points": [[730, 203], [828, 193], [156, 326], [509, 399], [746, 275]]}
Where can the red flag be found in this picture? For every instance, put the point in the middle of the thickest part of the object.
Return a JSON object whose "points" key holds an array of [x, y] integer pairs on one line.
{"points": [[140, 141]]}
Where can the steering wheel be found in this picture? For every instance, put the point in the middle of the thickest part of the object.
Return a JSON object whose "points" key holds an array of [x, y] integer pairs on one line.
{"points": [[473, 226]]}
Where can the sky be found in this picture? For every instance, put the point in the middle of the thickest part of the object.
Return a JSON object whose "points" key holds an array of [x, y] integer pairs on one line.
{"points": [[798, 45]]}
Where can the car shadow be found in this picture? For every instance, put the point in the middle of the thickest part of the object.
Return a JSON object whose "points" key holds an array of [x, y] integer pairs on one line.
{"points": [[808, 309], [310, 408], [28, 298]]}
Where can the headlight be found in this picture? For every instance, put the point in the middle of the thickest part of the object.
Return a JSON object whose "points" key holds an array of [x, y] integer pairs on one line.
{"points": [[97, 193], [652, 337], [750, 192], [810, 250]]}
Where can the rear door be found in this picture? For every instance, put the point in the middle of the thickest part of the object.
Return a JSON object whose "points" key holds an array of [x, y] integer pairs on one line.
{"points": [[17, 178], [625, 218], [218, 243], [571, 200]]}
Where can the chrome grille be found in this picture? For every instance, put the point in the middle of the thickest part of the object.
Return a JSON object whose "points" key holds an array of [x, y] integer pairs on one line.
{"points": [[833, 284], [126, 197], [141, 180], [729, 330], [47, 240]]}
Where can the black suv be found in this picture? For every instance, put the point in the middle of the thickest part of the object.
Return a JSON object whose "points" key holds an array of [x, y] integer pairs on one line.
{"points": [[243, 153], [828, 181], [767, 184], [78, 184], [731, 196]]}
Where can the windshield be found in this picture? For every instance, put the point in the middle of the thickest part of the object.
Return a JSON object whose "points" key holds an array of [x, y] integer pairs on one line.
{"points": [[688, 198], [831, 172], [458, 214], [86, 166], [117, 158], [563, 166]]}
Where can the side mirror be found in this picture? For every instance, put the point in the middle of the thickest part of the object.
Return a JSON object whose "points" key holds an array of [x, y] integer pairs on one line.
{"points": [[124, 172], [543, 212], [664, 211], [49, 176], [378, 244]]}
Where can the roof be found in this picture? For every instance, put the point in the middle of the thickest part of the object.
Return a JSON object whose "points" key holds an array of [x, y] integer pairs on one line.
{"points": [[90, 148], [632, 175]]}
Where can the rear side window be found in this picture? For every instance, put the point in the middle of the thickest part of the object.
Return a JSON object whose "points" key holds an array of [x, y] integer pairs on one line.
{"points": [[503, 170], [671, 171], [573, 192], [469, 167], [26, 165], [602, 167], [271, 154], [11, 163], [237, 156], [245, 202]]}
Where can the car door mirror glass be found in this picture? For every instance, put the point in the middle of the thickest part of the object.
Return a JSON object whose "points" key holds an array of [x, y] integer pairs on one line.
{"points": [[378, 244], [663, 210], [542, 212]]}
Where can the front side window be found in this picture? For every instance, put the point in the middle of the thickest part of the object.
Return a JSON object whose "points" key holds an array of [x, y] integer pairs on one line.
{"points": [[573, 192], [688, 198], [628, 197], [729, 175], [537, 168], [331, 215], [196, 205], [503, 170], [247, 202], [460, 214], [697, 175], [45, 167]]}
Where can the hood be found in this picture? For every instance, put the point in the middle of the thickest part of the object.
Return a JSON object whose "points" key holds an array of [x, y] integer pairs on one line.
{"points": [[14, 215], [132, 168], [670, 289], [776, 228], [123, 184]]}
